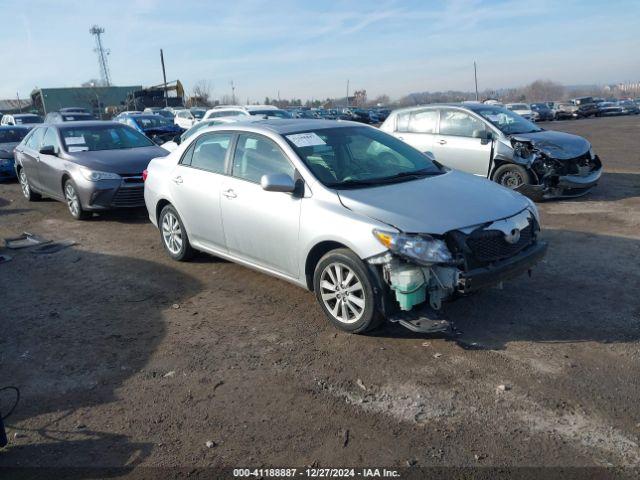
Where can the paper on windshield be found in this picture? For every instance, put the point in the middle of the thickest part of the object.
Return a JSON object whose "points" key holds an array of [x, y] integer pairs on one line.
{"points": [[74, 141], [306, 139], [77, 149]]}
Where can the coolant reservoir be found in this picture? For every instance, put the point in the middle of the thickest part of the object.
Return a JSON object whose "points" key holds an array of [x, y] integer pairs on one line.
{"points": [[409, 283]]}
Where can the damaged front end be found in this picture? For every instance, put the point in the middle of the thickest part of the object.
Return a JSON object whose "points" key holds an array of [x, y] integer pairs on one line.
{"points": [[422, 271], [555, 176]]}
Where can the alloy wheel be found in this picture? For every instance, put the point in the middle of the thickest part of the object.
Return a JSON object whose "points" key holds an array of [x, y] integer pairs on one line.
{"points": [[172, 233], [24, 184], [72, 199], [342, 293]]}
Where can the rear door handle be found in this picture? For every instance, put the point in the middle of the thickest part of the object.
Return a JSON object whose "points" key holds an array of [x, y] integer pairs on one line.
{"points": [[442, 142], [177, 180], [229, 193]]}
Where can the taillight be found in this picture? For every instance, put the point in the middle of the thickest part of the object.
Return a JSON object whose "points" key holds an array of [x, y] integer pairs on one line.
{"points": [[144, 175]]}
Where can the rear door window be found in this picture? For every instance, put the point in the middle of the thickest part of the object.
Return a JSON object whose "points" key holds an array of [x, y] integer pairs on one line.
{"points": [[423, 121], [210, 152]]}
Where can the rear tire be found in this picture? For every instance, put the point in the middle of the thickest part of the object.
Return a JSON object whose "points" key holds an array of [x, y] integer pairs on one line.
{"points": [[344, 290], [28, 193], [173, 235], [511, 176]]}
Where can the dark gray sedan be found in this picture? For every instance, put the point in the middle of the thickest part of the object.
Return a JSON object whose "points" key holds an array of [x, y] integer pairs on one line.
{"points": [[91, 166]]}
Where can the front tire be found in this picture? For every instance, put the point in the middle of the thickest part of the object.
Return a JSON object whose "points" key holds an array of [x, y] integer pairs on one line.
{"points": [[173, 235], [28, 193], [344, 291], [73, 202], [511, 176]]}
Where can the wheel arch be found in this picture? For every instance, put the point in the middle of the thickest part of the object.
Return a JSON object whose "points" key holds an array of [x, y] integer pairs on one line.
{"points": [[315, 254], [163, 202]]}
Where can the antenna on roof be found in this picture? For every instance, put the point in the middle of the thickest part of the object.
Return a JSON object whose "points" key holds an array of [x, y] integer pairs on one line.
{"points": [[102, 54]]}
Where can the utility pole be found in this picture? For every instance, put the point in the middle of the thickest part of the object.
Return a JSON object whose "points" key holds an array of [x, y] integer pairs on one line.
{"points": [[347, 93], [233, 93], [102, 54], [19, 103], [475, 74], [164, 77]]}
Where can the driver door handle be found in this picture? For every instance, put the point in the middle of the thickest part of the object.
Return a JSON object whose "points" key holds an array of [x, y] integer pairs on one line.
{"points": [[442, 142], [229, 193], [177, 180]]}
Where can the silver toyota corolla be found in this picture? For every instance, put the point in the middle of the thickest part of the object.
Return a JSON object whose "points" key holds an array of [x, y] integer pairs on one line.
{"points": [[375, 228]]}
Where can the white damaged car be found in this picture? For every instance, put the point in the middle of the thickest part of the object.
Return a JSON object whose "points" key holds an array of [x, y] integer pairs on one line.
{"points": [[375, 228]]}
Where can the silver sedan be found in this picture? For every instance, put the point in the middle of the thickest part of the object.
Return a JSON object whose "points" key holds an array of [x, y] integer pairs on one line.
{"points": [[375, 228]]}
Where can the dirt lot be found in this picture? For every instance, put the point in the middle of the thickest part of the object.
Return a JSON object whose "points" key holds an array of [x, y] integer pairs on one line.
{"points": [[124, 357]]}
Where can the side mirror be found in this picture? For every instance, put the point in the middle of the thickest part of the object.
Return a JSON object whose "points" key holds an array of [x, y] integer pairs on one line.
{"points": [[278, 182], [485, 136], [177, 139], [48, 150]]}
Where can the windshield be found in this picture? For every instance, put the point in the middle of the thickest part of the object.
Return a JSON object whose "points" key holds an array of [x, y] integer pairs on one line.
{"points": [[23, 119], [101, 137], [165, 114], [507, 121], [198, 114], [12, 135], [152, 121], [518, 106], [351, 157], [271, 113]]}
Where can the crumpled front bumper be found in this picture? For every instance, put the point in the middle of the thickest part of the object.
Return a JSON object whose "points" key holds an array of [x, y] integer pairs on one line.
{"points": [[483, 277], [563, 186]]}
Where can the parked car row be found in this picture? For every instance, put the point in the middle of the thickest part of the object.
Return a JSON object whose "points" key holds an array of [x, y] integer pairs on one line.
{"points": [[581, 107], [376, 228]]}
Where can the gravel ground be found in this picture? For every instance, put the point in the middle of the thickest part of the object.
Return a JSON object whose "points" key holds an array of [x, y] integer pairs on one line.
{"points": [[124, 357]]}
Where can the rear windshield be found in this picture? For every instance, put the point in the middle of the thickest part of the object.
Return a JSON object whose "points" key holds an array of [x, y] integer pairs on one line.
{"points": [[74, 117], [152, 121], [12, 135], [101, 137], [23, 119], [271, 113]]}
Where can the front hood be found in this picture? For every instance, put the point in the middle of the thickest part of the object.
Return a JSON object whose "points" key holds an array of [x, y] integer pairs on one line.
{"points": [[122, 161], [558, 145], [436, 204]]}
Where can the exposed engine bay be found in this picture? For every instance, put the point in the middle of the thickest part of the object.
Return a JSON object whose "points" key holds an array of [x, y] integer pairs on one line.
{"points": [[555, 172], [479, 257]]}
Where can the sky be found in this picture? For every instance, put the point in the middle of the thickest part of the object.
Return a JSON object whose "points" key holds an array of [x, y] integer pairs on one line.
{"points": [[309, 48]]}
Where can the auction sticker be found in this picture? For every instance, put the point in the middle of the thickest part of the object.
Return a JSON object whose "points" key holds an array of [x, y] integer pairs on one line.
{"points": [[309, 139]]}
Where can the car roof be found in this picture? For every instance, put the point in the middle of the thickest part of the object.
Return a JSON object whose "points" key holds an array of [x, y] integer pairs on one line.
{"points": [[13, 127], [284, 126], [465, 106], [84, 123]]}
